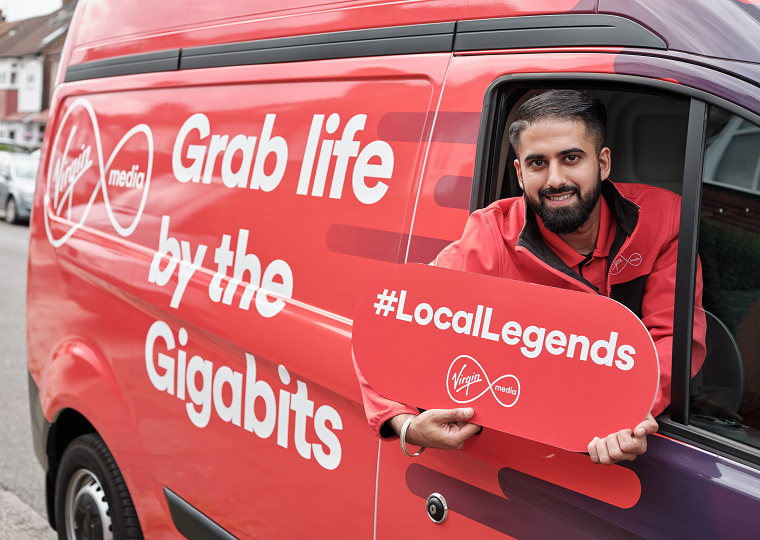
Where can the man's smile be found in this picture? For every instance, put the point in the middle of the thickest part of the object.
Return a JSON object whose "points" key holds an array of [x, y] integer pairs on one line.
{"points": [[560, 197]]}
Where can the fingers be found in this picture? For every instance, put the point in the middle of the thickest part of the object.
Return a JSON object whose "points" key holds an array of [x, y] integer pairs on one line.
{"points": [[442, 428], [458, 438], [448, 416], [592, 451], [616, 447], [602, 452], [647, 427], [630, 446], [622, 446]]}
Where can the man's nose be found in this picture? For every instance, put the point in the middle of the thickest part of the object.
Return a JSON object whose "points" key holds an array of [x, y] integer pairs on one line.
{"points": [[556, 177]]}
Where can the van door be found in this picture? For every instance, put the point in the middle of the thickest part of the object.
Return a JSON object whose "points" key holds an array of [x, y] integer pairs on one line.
{"points": [[500, 485], [282, 189]]}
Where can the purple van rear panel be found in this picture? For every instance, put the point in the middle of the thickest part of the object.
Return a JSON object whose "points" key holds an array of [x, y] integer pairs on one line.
{"points": [[717, 28]]}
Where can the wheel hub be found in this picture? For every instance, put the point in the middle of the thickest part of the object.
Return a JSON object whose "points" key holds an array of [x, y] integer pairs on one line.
{"points": [[87, 511], [10, 211]]}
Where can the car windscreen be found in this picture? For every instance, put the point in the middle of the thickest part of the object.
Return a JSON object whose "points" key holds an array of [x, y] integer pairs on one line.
{"points": [[26, 166]]}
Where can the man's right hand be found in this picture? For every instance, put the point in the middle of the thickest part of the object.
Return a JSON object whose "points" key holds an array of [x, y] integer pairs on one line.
{"points": [[438, 428]]}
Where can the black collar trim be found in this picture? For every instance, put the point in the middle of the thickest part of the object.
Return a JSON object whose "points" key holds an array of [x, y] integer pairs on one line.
{"points": [[626, 213]]}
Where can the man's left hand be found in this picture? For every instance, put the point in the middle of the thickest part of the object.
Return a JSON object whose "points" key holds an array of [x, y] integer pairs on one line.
{"points": [[623, 445]]}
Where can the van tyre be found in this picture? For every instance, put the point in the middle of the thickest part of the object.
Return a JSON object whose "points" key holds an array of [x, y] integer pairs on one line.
{"points": [[92, 501], [11, 216]]}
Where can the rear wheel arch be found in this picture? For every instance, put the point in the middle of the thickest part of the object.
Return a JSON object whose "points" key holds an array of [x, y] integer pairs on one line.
{"points": [[66, 426], [91, 494]]}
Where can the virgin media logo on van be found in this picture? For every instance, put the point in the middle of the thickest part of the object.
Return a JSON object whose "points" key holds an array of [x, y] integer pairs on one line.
{"points": [[467, 381], [81, 182]]}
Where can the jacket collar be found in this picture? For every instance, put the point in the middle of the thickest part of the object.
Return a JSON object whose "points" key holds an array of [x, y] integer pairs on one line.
{"points": [[626, 214]]}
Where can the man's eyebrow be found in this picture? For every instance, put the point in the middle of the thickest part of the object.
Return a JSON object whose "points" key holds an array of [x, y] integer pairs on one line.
{"points": [[570, 151], [534, 156]]}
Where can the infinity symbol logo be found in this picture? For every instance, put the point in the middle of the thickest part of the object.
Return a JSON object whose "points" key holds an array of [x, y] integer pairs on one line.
{"points": [[621, 262], [63, 199], [465, 385]]}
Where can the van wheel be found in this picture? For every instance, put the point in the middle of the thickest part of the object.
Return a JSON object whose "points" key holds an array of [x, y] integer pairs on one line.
{"points": [[91, 499], [10, 211]]}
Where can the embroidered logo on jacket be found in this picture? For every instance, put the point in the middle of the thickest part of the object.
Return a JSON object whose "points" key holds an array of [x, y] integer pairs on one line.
{"points": [[621, 262]]}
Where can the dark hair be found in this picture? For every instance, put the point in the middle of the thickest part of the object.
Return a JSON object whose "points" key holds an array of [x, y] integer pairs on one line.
{"points": [[562, 104]]}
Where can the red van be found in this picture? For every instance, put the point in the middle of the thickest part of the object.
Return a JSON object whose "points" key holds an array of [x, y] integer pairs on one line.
{"points": [[221, 181]]}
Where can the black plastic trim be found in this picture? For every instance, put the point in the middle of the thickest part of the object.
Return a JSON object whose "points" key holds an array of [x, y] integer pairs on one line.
{"points": [[578, 30], [191, 522], [710, 442], [414, 39], [132, 64], [40, 425], [508, 33], [686, 272]]}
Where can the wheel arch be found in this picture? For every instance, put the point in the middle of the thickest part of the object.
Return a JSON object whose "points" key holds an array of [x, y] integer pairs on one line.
{"points": [[68, 425], [79, 393]]}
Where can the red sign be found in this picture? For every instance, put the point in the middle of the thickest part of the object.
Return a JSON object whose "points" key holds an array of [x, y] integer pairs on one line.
{"points": [[556, 366]]}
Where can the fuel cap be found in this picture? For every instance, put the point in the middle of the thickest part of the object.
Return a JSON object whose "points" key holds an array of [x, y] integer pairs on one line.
{"points": [[436, 508]]}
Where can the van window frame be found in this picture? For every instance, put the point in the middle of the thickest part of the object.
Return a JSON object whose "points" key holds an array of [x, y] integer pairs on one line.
{"points": [[674, 422]]}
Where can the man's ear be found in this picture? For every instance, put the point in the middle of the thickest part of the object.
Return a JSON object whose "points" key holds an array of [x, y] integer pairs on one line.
{"points": [[519, 174], [605, 163]]}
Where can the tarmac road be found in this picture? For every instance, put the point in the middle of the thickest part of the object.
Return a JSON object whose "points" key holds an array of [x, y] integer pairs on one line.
{"points": [[22, 481]]}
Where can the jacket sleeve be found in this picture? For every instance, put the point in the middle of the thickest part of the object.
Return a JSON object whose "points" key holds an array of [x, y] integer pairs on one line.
{"points": [[379, 409], [657, 311], [474, 252], [477, 250]]}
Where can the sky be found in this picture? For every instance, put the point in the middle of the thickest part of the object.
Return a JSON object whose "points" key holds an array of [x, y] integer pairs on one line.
{"points": [[15, 10]]}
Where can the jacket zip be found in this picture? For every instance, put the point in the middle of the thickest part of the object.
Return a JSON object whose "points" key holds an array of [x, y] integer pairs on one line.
{"points": [[622, 249]]}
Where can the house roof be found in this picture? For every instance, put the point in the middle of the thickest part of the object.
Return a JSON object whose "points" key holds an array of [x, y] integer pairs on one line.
{"points": [[41, 117], [19, 117], [6, 27], [32, 36]]}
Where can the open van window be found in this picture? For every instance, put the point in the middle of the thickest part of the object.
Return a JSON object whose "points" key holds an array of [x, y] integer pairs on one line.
{"points": [[646, 134]]}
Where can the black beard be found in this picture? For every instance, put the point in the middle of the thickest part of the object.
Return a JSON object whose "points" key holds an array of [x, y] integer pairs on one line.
{"points": [[566, 219]]}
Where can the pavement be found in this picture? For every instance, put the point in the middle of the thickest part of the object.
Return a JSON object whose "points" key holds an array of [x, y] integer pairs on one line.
{"points": [[22, 480], [19, 522]]}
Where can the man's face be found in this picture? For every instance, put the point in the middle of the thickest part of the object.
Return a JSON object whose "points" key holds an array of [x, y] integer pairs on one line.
{"points": [[560, 173]]}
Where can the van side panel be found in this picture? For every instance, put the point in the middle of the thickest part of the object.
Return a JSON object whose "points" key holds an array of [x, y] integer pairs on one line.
{"points": [[211, 232]]}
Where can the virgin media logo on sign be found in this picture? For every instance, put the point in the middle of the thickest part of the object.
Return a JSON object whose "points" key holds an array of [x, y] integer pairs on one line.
{"points": [[81, 181], [466, 381], [556, 366]]}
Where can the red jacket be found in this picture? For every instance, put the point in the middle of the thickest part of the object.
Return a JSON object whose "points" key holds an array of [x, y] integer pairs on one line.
{"points": [[507, 240]]}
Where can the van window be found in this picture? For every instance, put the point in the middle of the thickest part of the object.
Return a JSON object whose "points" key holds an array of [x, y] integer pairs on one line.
{"points": [[725, 394], [646, 134]]}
